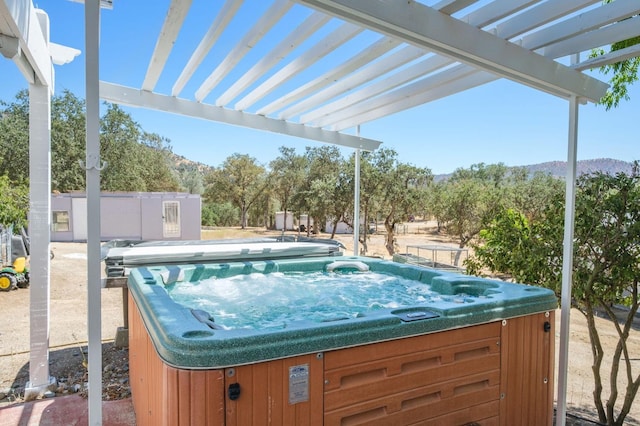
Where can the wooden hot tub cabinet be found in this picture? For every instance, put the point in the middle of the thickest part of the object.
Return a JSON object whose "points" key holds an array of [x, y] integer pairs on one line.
{"points": [[499, 373]]}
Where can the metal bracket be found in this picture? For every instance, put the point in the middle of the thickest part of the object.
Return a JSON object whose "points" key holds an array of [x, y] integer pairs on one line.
{"points": [[9, 46], [92, 163]]}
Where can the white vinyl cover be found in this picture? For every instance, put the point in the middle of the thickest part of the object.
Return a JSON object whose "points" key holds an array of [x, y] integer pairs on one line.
{"points": [[139, 256]]}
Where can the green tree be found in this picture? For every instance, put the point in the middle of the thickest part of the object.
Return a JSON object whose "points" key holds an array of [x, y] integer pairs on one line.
{"points": [[470, 206], [136, 160], [374, 167], [287, 178], [625, 73], [436, 203], [240, 181], [318, 196], [260, 211], [68, 140], [220, 214], [404, 191], [154, 151], [530, 196], [606, 270], [338, 192], [119, 134], [472, 198], [14, 138], [607, 273], [514, 246], [14, 203], [191, 181]]}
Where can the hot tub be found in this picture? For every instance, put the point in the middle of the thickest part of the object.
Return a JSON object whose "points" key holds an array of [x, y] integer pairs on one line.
{"points": [[438, 348]]}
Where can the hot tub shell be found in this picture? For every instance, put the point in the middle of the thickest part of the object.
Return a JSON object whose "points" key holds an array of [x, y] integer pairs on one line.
{"points": [[491, 365]]}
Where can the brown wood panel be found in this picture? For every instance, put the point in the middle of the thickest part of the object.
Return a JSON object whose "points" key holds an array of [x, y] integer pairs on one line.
{"points": [[527, 370], [135, 364], [422, 403], [382, 350], [416, 379], [169, 387], [482, 414], [548, 367], [392, 385], [215, 401], [403, 363], [154, 376], [183, 396], [264, 394], [163, 395]]}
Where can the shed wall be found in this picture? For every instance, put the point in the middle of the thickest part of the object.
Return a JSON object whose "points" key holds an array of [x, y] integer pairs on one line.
{"points": [[132, 216]]}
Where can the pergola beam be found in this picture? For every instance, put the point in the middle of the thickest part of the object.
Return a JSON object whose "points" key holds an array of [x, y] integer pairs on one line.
{"points": [[358, 99], [172, 23], [244, 45], [462, 78], [483, 16], [390, 62], [18, 19], [540, 14], [588, 21], [623, 30], [376, 50], [144, 99], [427, 28], [609, 58], [300, 33], [337, 38], [226, 13]]}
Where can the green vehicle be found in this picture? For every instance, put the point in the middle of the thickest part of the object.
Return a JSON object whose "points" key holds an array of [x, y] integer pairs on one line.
{"points": [[14, 258]]}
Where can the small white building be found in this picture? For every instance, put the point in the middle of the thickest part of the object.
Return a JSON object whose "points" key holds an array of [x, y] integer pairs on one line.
{"points": [[292, 223], [280, 221], [341, 228], [129, 216]]}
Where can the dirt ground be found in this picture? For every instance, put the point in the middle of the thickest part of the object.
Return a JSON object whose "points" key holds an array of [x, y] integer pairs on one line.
{"points": [[68, 327]]}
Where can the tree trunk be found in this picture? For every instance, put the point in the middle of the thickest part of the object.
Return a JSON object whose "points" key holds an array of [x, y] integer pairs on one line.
{"points": [[390, 237], [284, 226], [243, 216], [598, 354]]}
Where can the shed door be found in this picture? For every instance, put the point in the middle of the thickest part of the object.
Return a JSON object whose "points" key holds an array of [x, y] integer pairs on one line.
{"points": [[79, 219], [170, 219]]}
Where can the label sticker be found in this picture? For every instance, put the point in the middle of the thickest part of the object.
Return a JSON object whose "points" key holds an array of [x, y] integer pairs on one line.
{"points": [[298, 383]]}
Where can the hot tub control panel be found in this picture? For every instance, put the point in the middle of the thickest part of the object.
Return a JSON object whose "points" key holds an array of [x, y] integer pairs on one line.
{"points": [[415, 315]]}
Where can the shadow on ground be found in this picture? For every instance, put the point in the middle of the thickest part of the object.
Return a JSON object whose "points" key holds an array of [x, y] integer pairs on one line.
{"points": [[69, 367]]}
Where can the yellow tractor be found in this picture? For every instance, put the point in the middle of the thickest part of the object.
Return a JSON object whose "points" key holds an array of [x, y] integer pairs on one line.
{"points": [[14, 258]]}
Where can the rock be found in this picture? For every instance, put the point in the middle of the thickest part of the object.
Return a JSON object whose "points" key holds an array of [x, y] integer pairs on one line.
{"points": [[49, 394]]}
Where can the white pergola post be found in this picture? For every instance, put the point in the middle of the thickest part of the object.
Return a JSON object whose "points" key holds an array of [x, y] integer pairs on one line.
{"points": [[93, 166], [567, 262], [356, 199], [39, 230]]}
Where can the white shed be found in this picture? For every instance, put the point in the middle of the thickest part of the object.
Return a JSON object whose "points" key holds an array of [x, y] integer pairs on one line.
{"points": [[280, 225], [128, 215]]}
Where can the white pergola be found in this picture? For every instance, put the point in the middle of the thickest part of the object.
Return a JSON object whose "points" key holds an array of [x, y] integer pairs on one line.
{"points": [[395, 55]]}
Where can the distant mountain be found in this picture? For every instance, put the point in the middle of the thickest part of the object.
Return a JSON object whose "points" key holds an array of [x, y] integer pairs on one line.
{"points": [[604, 165], [559, 168], [182, 164], [190, 174]]}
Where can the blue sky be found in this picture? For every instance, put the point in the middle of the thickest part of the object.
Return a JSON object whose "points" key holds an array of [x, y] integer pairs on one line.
{"points": [[498, 122]]}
